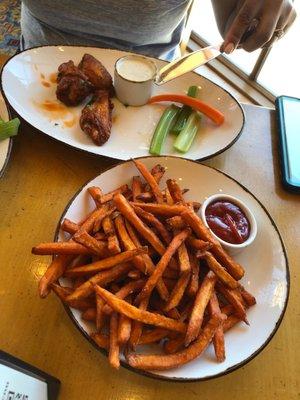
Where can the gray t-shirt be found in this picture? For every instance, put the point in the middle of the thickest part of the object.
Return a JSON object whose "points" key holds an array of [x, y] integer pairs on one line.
{"points": [[152, 27]]}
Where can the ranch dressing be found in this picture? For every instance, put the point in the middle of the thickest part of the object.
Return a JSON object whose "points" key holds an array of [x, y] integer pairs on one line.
{"points": [[136, 68]]}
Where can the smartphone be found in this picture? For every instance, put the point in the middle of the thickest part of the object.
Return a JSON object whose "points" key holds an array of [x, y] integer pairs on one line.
{"points": [[288, 118]]}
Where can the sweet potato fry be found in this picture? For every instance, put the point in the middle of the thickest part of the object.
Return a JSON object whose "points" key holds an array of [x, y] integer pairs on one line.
{"points": [[202, 298], [64, 292], [105, 263], [95, 192], [101, 340], [177, 292], [124, 207], [114, 349], [109, 196], [70, 248], [98, 221], [69, 226], [173, 345], [109, 230], [128, 244], [153, 336], [183, 259], [150, 180], [161, 287], [135, 274], [89, 314], [175, 222], [231, 321], [102, 278], [134, 313], [195, 222], [218, 339], [100, 316], [124, 327], [125, 291], [53, 273], [175, 191], [193, 285], [163, 263], [136, 187], [146, 197], [233, 298], [221, 272], [153, 221], [158, 172], [168, 197], [95, 218], [137, 326], [165, 210], [198, 244], [164, 362], [100, 236], [94, 246], [248, 298]]}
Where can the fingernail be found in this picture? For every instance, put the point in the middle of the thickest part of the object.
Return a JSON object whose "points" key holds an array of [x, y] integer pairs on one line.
{"points": [[229, 48]]}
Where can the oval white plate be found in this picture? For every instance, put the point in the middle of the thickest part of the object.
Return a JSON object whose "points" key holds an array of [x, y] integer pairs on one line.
{"points": [[22, 82], [5, 145], [265, 262]]}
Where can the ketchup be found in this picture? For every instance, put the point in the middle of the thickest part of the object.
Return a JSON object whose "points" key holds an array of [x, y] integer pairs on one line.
{"points": [[227, 221]]}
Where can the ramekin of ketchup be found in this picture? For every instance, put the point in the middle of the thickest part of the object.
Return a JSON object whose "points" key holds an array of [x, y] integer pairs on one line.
{"points": [[230, 221]]}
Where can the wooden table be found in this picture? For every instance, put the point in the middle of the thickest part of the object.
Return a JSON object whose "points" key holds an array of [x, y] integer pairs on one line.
{"points": [[41, 177]]}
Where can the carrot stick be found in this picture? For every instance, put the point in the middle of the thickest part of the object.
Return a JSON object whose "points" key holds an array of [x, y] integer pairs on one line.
{"points": [[198, 105]]}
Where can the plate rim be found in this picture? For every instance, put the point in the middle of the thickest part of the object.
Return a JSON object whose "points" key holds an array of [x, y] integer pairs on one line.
{"points": [[175, 379], [130, 52], [7, 157]]}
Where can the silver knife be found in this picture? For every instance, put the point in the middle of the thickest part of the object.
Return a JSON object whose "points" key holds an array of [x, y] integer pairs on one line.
{"points": [[186, 64]]}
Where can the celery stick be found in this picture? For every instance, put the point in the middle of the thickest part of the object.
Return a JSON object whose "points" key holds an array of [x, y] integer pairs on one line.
{"points": [[162, 128], [185, 138], [185, 112], [9, 128]]}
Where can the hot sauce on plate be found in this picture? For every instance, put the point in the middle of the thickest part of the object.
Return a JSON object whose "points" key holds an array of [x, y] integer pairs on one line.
{"points": [[228, 221]]}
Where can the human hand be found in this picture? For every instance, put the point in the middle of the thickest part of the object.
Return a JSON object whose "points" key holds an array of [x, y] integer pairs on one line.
{"points": [[258, 23]]}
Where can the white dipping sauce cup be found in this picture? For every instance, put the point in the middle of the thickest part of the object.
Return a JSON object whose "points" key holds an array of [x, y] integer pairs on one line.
{"points": [[133, 79]]}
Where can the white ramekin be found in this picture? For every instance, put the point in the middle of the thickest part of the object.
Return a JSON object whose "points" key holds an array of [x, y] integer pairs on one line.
{"points": [[130, 92], [230, 247]]}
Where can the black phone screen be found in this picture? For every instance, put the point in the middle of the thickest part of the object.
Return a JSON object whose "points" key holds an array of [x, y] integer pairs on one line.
{"points": [[289, 123]]}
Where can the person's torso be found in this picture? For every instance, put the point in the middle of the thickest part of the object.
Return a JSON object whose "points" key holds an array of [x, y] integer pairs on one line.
{"points": [[133, 21]]}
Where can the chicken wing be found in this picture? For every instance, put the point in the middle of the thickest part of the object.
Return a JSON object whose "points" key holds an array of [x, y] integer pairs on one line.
{"points": [[96, 73], [96, 117], [73, 86]]}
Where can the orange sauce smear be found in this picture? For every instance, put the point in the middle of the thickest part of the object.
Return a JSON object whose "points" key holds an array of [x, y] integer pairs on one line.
{"points": [[58, 111]]}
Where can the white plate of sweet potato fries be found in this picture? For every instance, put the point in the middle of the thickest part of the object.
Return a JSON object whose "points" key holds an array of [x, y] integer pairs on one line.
{"points": [[146, 282]]}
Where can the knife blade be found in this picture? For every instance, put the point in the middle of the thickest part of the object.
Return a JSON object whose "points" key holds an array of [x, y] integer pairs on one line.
{"points": [[186, 64]]}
